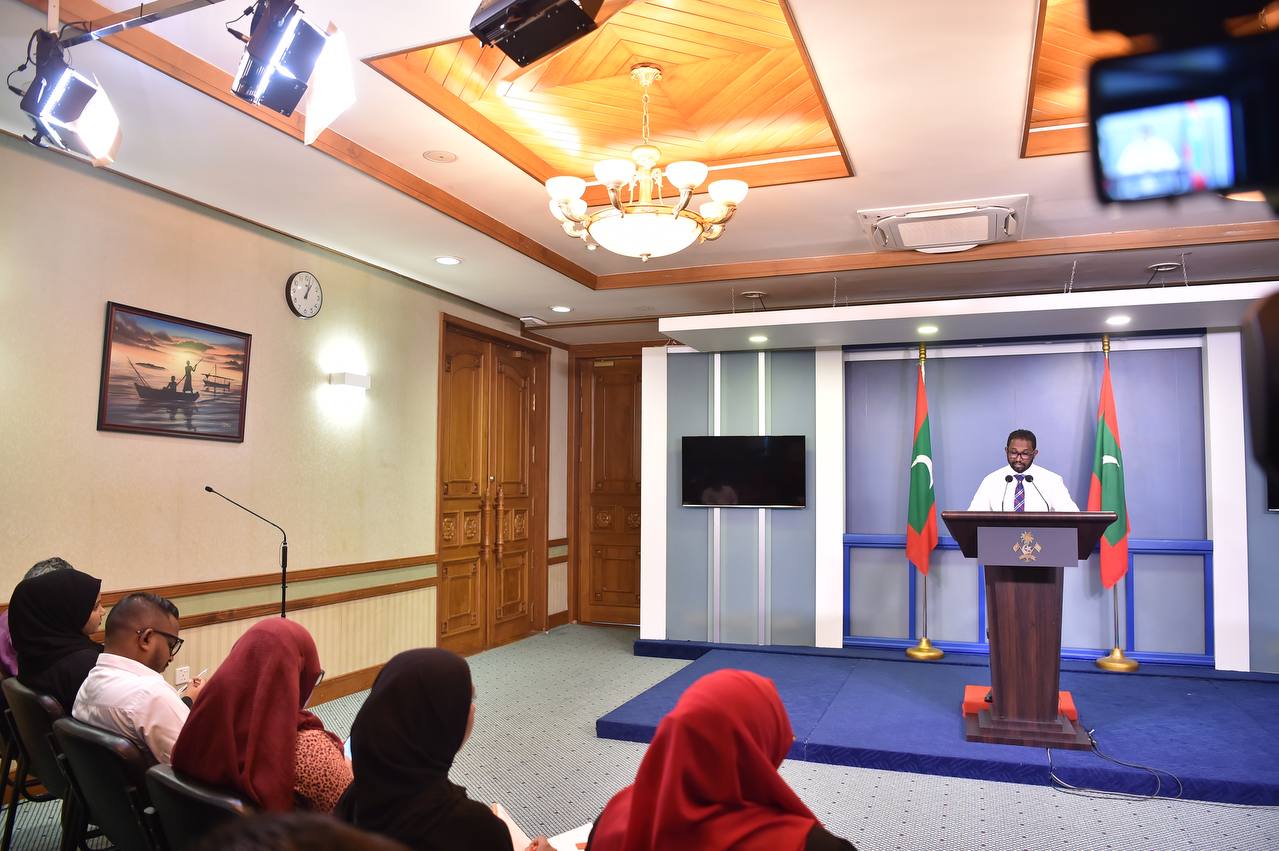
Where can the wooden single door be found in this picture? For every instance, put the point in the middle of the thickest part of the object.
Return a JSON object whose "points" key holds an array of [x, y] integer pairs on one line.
{"points": [[489, 537], [464, 489], [609, 482], [511, 441]]}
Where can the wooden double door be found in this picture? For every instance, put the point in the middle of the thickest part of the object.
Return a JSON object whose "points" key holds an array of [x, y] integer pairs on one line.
{"points": [[608, 488], [492, 498]]}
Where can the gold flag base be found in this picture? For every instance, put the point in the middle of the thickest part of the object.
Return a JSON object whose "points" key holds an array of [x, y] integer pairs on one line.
{"points": [[1116, 661], [924, 651]]}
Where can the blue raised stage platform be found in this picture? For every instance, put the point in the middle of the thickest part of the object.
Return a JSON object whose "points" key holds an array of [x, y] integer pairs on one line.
{"points": [[1217, 732]]}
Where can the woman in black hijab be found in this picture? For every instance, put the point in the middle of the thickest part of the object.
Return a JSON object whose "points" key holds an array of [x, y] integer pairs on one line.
{"points": [[403, 742], [51, 618]]}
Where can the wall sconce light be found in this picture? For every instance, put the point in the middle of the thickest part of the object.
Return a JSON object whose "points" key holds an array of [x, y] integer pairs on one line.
{"points": [[350, 379]]}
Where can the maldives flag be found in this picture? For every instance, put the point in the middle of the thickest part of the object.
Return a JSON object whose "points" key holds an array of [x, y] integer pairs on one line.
{"points": [[1107, 490], [921, 516]]}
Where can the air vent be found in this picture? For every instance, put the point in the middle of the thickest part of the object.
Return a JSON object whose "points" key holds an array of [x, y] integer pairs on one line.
{"points": [[948, 226], [532, 322]]}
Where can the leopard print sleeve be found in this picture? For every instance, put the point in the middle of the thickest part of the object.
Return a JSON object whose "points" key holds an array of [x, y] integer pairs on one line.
{"points": [[322, 772]]}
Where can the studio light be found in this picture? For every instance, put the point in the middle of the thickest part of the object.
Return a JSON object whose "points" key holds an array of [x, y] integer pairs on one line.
{"points": [[284, 53], [70, 110]]}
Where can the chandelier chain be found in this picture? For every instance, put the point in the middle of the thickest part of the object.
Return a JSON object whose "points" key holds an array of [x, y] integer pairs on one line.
{"points": [[644, 126]]}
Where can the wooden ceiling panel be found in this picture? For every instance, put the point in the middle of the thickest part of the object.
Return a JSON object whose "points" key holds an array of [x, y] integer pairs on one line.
{"points": [[736, 87], [1064, 50]]}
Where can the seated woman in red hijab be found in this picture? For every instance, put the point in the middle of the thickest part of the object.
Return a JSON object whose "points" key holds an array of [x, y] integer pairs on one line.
{"points": [[249, 733], [709, 779]]}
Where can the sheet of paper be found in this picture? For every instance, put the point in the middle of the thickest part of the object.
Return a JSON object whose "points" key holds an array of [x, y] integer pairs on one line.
{"points": [[519, 839], [570, 839]]}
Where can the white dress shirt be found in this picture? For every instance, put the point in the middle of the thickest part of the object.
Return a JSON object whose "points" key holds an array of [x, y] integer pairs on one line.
{"points": [[1047, 493], [131, 700]]}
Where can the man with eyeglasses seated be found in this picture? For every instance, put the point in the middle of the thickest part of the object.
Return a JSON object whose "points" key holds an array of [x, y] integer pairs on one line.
{"points": [[125, 692], [1020, 485]]}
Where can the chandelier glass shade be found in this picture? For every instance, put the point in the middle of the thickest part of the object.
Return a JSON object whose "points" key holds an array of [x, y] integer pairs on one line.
{"points": [[645, 225]]}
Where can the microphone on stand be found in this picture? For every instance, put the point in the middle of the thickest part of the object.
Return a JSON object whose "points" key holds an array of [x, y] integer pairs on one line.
{"points": [[284, 544], [1003, 503], [1031, 479]]}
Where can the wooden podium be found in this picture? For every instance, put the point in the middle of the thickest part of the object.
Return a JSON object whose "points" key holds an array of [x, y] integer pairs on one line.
{"points": [[1024, 554]]}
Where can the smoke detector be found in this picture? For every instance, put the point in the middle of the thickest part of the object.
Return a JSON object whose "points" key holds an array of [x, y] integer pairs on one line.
{"points": [[948, 226]]}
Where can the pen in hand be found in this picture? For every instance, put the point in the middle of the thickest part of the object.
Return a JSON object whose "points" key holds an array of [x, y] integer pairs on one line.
{"points": [[183, 687]]}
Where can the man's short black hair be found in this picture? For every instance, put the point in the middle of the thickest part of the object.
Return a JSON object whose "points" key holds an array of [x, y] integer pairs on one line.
{"points": [[129, 614], [1022, 434], [49, 565]]}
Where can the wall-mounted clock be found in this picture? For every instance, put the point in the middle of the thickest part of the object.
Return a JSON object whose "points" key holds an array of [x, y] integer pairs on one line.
{"points": [[303, 294]]}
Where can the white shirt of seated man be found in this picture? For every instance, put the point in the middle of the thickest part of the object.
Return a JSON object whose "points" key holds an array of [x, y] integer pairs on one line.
{"points": [[1043, 490], [125, 692]]}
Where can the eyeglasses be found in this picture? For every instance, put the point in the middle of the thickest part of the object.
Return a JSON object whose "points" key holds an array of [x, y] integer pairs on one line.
{"points": [[1027, 454], [175, 643]]}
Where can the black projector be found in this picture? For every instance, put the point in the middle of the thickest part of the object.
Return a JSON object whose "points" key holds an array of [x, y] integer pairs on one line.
{"points": [[527, 30]]}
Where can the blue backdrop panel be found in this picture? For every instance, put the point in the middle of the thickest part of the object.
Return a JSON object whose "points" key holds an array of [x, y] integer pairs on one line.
{"points": [[791, 392], [1168, 596], [952, 598], [739, 527], [878, 596], [973, 403], [688, 411]]}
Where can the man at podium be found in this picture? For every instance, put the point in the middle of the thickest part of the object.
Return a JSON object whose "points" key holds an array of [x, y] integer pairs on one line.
{"points": [[1020, 485]]}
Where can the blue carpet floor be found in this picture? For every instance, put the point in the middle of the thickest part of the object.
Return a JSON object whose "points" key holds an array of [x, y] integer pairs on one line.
{"points": [[1219, 737]]}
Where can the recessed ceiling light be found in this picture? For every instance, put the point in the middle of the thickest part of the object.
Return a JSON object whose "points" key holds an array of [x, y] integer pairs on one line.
{"points": [[561, 308], [758, 338], [439, 156], [448, 261], [1117, 320], [926, 329]]}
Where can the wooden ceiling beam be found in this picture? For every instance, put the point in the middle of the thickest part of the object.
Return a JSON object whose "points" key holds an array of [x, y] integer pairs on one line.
{"points": [[165, 57], [1084, 244]]}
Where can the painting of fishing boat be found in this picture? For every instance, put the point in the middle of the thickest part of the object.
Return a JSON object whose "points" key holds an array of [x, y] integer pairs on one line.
{"points": [[150, 364]]}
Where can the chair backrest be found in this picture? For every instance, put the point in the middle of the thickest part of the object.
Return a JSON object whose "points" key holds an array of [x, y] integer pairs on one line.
{"points": [[109, 772], [188, 810], [33, 716]]}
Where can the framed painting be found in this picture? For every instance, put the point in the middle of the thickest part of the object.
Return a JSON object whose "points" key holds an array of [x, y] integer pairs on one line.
{"points": [[171, 376]]}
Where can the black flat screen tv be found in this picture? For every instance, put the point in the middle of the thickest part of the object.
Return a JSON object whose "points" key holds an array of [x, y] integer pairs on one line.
{"points": [[766, 471]]}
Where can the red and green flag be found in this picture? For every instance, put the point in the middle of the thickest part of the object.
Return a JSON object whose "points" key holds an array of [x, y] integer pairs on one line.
{"points": [[1107, 490], [921, 515]]}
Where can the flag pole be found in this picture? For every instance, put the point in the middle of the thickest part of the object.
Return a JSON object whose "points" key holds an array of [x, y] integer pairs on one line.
{"points": [[924, 651], [1115, 660]]}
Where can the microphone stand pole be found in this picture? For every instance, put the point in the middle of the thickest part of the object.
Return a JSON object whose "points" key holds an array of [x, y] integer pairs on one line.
{"points": [[284, 545]]}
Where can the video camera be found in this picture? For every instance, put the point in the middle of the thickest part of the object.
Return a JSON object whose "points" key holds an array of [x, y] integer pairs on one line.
{"points": [[1199, 114]]}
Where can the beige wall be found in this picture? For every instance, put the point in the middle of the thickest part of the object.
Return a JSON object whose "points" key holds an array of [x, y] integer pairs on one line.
{"points": [[351, 482]]}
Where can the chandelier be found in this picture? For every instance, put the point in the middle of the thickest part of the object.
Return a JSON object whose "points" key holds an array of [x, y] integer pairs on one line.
{"points": [[645, 226]]}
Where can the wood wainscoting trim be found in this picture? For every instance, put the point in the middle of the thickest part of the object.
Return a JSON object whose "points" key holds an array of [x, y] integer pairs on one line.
{"points": [[258, 580], [557, 619], [264, 609], [344, 684]]}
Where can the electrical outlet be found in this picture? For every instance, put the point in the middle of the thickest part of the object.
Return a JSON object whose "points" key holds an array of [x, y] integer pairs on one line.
{"points": [[182, 675]]}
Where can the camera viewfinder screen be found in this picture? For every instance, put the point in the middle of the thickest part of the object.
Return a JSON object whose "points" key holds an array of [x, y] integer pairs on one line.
{"points": [[1165, 150]]}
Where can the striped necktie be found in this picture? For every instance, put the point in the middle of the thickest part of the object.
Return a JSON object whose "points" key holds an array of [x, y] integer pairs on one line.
{"points": [[1019, 495]]}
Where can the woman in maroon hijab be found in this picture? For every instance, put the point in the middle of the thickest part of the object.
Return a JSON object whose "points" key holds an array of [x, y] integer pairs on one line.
{"points": [[709, 779], [249, 733]]}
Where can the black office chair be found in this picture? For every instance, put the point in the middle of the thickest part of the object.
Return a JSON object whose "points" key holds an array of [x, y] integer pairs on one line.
{"points": [[13, 765], [188, 810], [33, 716], [108, 773]]}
